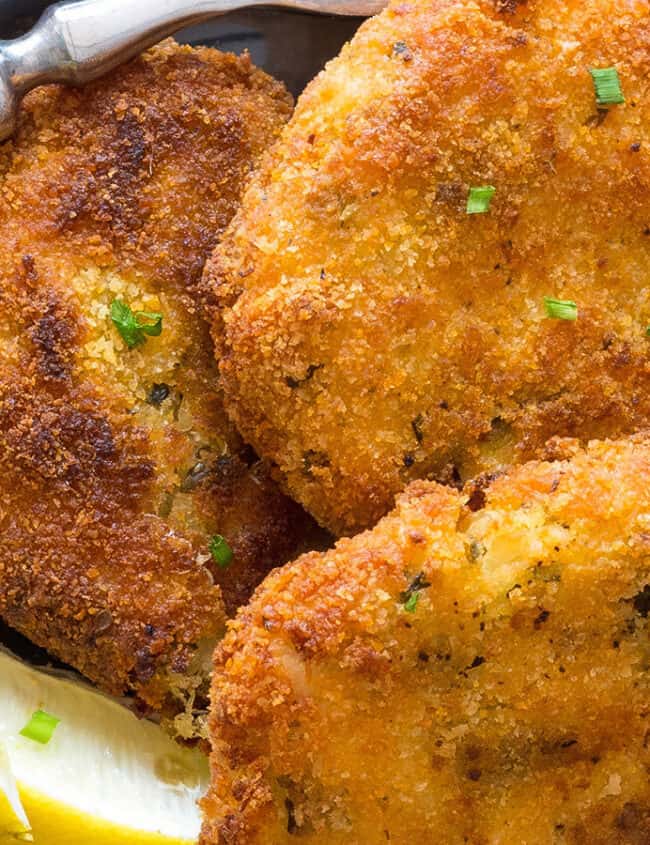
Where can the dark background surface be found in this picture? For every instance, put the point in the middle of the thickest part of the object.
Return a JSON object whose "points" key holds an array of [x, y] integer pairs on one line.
{"points": [[291, 46]]}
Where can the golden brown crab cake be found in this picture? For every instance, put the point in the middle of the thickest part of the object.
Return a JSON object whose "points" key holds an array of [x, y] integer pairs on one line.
{"points": [[372, 331], [118, 463], [472, 670]]}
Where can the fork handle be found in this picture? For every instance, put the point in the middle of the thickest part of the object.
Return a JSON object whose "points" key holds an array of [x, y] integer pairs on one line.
{"points": [[76, 42]]}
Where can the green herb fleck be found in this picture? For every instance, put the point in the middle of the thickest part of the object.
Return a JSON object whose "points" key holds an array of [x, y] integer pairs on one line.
{"points": [[158, 393], [416, 425], [40, 727], [400, 48], [220, 551], [607, 86], [479, 199], [411, 595], [476, 550], [134, 326], [560, 309]]}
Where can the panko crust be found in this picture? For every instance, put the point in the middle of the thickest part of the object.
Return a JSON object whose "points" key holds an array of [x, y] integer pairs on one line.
{"points": [[509, 705], [373, 332], [117, 464]]}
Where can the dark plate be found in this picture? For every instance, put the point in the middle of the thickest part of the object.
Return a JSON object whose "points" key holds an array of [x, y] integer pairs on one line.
{"points": [[291, 46]]}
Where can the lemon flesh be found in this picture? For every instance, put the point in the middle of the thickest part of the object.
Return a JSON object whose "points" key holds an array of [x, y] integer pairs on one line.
{"points": [[104, 776]]}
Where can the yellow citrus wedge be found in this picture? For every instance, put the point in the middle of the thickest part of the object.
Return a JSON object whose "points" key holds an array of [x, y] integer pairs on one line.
{"points": [[103, 777]]}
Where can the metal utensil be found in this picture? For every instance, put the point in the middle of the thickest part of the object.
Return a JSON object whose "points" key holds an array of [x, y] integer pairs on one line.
{"points": [[75, 42]]}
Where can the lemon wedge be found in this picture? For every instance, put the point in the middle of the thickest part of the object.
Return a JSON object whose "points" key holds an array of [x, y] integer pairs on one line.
{"points": [[103, 777]]}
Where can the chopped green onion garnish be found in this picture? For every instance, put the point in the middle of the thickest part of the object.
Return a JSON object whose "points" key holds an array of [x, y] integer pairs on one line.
{"points": [[133, 326], [411, 595], [220, 551], [607, 85], [40, 727], [560, 309], [647, 331], [479, 199]]}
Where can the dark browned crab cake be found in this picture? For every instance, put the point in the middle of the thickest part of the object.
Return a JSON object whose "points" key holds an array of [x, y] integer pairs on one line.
{"points": [[117, 462]]}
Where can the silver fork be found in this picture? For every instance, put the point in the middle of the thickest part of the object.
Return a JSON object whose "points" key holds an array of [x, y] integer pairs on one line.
{"points": [[79, 41]]}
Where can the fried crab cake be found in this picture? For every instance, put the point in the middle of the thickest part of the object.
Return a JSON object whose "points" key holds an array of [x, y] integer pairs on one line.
{"points": [[473, 670], [384, 300], [118, 464]]}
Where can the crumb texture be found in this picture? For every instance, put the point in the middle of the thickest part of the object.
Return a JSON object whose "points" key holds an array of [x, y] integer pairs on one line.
{"points": [[373, 332], [475, 669], [117, 464]]}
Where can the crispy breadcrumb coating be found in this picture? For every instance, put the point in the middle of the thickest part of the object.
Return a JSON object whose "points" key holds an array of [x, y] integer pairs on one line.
{"points": [[116, 464], [473, 670], [372, 331]]}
